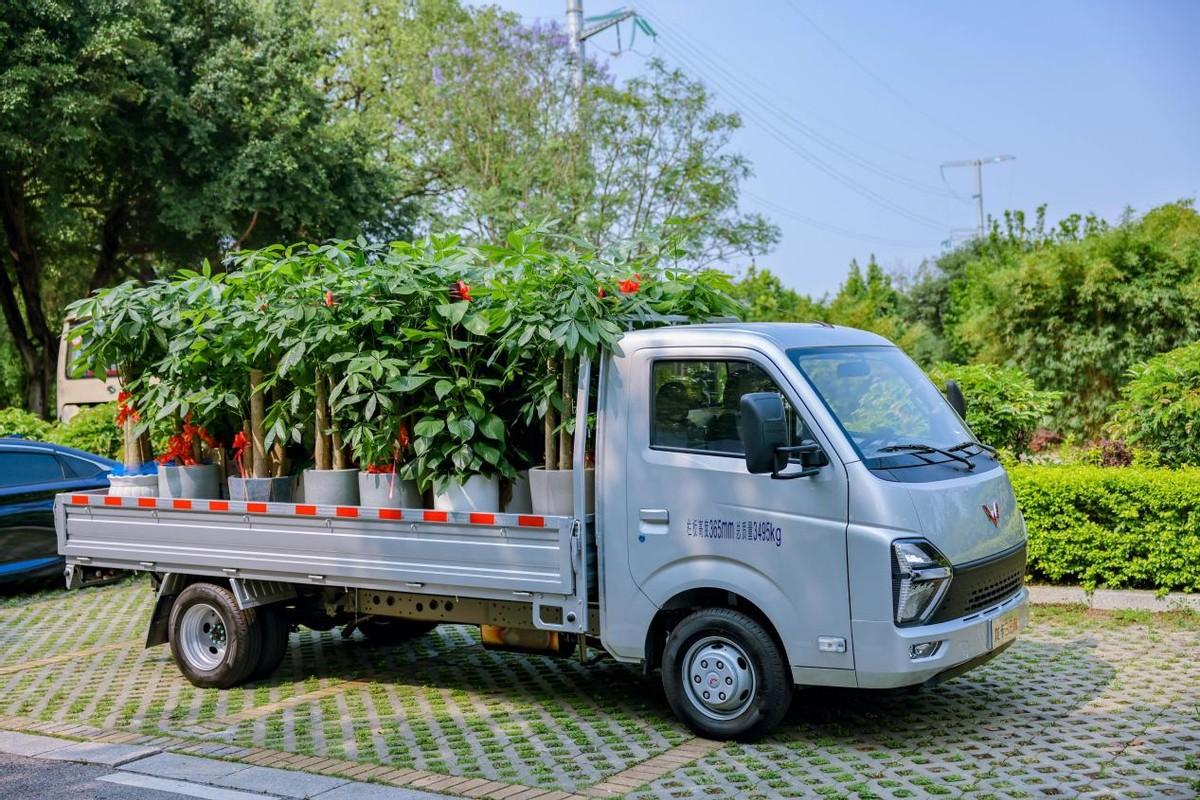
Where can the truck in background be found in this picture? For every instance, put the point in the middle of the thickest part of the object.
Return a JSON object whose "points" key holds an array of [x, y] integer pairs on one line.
{"points": [[77, 387]]}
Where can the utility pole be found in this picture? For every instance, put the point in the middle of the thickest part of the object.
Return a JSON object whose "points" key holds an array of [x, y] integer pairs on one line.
{"points": [[978, 164], [577, 35]]}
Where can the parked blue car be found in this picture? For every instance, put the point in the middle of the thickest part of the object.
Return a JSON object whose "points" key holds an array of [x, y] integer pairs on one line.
{"points": [[31, 473]]}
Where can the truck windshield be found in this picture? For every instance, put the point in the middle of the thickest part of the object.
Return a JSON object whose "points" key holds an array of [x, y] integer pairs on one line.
{"points": [[882, 401]]}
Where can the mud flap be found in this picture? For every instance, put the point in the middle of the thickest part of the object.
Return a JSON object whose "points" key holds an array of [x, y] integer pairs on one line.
{"points": [[158, 632]]}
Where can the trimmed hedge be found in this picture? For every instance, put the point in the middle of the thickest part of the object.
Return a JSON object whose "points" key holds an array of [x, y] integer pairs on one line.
{"points": [[1116, 527]]}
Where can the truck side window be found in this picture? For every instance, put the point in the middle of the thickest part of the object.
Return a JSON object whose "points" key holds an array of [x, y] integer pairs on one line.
{"points": [[695, 405]]}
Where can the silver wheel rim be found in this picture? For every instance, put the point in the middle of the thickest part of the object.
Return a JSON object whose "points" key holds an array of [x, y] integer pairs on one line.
{"points": [[203, 637], [719, 677]]}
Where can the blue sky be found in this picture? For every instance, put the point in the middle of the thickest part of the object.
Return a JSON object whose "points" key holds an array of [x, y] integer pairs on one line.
{"points": [[849, 108]]}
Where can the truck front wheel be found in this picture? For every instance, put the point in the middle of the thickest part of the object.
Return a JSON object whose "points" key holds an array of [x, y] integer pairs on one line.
{"points": [[214, 643], [724, 675]]}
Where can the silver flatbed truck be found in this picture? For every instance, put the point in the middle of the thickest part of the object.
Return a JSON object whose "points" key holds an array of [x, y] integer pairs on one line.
{"points": [[776, 505]]}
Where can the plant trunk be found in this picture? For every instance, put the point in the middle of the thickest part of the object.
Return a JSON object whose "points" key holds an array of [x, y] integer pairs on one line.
{"points": [[564, 435], [279, 459], [132, 447], [322, 455], [340, 461], [258, 435], [550, 442]]}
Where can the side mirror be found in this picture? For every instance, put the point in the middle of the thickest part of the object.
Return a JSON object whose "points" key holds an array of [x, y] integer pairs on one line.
{"points": [[765, 439], [764, 431], [954, 397]]}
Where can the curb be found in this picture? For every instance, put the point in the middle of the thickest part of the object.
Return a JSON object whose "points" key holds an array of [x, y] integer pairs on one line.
{"points": [[1114, 599]]}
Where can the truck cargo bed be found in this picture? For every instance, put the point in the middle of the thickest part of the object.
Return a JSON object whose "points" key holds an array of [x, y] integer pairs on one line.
{"points": [[481, 555]]}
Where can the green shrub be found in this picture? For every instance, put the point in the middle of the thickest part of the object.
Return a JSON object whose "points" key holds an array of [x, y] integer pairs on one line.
{"points": [[1160, 406], [1004, 408], [18, 422], [1118, 527], [93, 429]]}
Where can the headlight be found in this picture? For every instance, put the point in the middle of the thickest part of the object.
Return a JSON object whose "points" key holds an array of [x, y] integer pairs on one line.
{"points": [[920, 577]]}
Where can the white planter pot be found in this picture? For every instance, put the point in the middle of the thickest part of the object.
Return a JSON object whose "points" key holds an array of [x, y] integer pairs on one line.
{"points": [[552, 491], [477, 494], [520, 502], [201, 481], [264, 490], [331, 487], [386, 490], [133, 485]]}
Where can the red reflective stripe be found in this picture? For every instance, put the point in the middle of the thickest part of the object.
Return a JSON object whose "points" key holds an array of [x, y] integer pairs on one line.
{"points": [[391, 513], [256, 508], [79, 499], [218, 505], [528, 521], [435, 516], [307, 511], [147, 502], [112, 501], [182, 505], [346, 511], [483, 519]]}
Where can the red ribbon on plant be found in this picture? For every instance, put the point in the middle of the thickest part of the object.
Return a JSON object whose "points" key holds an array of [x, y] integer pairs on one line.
{"points": [[630, 285], [125, 409], [240, 443], [461, 291], [330, 302], [179, 446]]}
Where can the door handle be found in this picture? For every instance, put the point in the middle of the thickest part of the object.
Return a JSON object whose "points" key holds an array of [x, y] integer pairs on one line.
{"points": [[660, 515]]}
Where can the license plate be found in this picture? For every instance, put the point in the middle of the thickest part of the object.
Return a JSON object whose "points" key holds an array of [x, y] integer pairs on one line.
{"points": [[1005, 627]]}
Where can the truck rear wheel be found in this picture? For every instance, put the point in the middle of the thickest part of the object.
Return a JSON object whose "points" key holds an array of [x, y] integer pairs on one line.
{"points": [[275, 633], [385, 630], [724, 675], [215, 644]]}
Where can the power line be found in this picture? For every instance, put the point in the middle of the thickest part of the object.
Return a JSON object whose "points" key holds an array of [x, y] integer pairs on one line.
{"points": [[875, 77], [978, 164], [805, 129], [691, 56], [865, 238]]}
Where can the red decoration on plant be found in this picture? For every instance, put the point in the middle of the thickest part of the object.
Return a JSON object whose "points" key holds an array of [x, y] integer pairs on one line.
{"points": [[125, 409], [380, 469], [179, 446], [403, 436], [240, 443], [330, 302], [461, 291], [600, 293], [630, 285]]}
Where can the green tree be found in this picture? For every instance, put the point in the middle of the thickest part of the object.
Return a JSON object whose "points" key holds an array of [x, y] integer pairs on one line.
{"points": [[1004, 407], [131, 133], [765, 299], [475, 112], [1078, 307], [1160, 406]]}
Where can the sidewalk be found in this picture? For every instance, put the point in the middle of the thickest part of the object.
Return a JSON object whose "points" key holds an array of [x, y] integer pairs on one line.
{"points": [[1113, 599], [148, 768]]}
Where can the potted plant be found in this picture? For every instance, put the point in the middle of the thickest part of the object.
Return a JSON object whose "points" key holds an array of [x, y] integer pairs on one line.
{"points": [[458, 377], [260, 465], [122, 327]]}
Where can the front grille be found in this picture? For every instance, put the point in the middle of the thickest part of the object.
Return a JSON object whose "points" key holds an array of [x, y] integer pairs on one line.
{"points": [[979, 585]]}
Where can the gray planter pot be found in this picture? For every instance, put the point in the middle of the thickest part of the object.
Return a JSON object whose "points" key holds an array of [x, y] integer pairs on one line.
{"points": [[378, 490], [331, 487], [201, 481], [477, 494], [520, 502], [264, 490], [133, 485], [553, 491]]}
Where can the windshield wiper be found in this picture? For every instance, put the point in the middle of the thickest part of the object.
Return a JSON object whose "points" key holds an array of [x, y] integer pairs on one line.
{"points": [[918, 449], [987, 448]]}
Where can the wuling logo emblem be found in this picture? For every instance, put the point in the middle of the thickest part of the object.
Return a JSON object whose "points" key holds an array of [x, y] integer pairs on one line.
{"points": [[993, 512]]}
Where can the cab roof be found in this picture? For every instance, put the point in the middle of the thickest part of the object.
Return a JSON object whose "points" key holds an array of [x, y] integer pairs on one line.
{"points": [[783, 335]]}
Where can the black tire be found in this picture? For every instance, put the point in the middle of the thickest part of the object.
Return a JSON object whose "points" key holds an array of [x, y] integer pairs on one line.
{"points": [[754, 664], [389, 630], [275, 633], [221, 644]]}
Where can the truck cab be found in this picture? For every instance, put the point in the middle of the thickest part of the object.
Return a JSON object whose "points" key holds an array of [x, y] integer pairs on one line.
{"points": [[882, 548]]}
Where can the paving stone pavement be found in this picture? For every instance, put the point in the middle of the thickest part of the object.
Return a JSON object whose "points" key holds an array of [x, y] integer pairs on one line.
{"points": [[1086, 704]]}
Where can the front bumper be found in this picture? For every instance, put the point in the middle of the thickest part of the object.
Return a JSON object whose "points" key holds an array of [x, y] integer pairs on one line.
{"points": [[881, 650]]}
